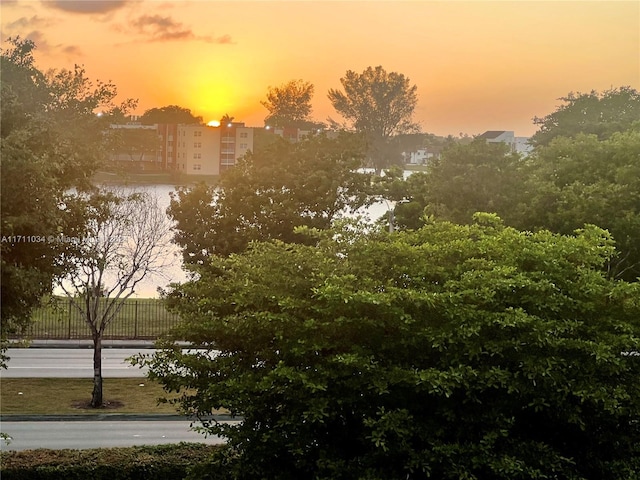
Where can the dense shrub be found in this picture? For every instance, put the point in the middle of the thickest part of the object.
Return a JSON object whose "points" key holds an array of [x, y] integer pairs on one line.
{"points": [[159, 462]]}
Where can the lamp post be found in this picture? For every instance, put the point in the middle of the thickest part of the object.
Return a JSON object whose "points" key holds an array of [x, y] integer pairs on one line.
{"points": [[390, 209]]}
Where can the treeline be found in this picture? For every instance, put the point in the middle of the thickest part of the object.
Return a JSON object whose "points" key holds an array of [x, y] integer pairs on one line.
{"points": [[493, 333]]}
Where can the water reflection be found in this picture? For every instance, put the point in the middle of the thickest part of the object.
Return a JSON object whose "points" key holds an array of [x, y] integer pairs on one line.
{"points": [[173, 272]]}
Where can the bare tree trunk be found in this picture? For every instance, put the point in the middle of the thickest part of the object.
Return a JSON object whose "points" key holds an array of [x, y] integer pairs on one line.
{"points": [[96, 397]]}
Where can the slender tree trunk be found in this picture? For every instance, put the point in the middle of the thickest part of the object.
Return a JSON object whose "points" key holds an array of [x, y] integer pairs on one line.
{"points": [[96, 397]]}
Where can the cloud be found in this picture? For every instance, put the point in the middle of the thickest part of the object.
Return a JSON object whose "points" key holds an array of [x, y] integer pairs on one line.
{"points": [[158, 28], [224, 39], [85, 6], [37, 37], [43, 45], [72, 50], [24, 22]]}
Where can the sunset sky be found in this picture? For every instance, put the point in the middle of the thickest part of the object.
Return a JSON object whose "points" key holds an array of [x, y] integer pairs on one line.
{"points": [[478, 65]]}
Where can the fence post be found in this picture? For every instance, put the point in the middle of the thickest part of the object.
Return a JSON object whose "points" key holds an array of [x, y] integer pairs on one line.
{"points": [[135, 321], [69, 325]]}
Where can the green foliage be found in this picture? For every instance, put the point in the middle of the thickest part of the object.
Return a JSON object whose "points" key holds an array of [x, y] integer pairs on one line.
{"points": [[468, 178], [267, 195], [379, 104], [289, 105], [601, 114], [51, 143], [134, 142], [449, 352], [169, 114], [135, 463], [573, 181]]}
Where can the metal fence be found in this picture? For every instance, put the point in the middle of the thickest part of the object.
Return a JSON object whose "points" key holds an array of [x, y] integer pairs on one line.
{"points": [[137, 319]]}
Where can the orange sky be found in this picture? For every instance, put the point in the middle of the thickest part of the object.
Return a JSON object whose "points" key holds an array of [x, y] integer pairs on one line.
{"points": [[478, 65]]}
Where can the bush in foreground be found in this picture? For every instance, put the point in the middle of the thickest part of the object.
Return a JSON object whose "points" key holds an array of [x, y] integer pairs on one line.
{"points": [[159, 462], [476, 352]]}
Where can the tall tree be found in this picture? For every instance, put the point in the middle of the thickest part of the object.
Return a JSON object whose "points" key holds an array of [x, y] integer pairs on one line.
{"points": [[126, 240], [453, 351], [268, 194], [587, 180], [289, 105], [377, 103], [169, 114], [135, 143], [226, 119], [601, 114], [51, 143], [476, 177]]}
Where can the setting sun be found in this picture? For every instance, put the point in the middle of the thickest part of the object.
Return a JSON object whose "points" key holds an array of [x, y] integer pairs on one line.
{"points": [[214, 123], [478, 65]]}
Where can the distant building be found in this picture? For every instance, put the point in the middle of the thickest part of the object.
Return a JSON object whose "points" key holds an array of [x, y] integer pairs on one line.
{"points": [[516, 144], [422, 156], [206, 150], [192, 149], [294, 134]]}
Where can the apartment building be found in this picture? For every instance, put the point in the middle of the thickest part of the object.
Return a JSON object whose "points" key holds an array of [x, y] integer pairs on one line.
{"points": [[193, 149]]}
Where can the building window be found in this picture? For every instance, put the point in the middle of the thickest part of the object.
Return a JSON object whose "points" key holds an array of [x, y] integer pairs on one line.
{"points": [[197, 155], [243, 145], [243, 134], [197, 133], [197, 166], [197, 144]]}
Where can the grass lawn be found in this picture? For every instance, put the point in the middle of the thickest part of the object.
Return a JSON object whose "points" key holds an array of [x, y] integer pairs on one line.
{"points": [[59, 396]]}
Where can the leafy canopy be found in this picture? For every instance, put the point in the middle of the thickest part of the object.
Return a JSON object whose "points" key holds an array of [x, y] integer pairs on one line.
{"points": [[379, 104], [268, 194], [449, 352], [595, 113], [289, 105], [585, 179], [376, 102], [51, 143], [169, 114]]}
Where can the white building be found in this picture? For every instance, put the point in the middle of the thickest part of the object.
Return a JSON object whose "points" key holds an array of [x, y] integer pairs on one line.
{"points": [[516, 144], [422, 156]]}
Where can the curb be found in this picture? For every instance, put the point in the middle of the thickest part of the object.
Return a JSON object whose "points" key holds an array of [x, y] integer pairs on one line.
{"points": [[113, 417], [88, 344]]}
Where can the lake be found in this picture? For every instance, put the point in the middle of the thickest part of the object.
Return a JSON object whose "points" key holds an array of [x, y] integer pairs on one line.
{"points": [[173, 272]]}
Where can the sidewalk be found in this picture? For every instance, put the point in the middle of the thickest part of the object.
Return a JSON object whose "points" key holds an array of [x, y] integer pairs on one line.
{"points": [[59, 343], [112, 417]]}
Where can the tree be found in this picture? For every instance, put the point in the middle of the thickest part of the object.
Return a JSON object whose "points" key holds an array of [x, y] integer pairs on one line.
{"points": [[126, 241], [226, 119], [135, 143], [51, 143], [453, 351], [377, 103], [289, 105], [268, 194], [601, 114], [585, 179], [477, 177], [169, 114]]}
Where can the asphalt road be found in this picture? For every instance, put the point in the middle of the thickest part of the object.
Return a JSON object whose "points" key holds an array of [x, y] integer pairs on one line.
{"points": [[70, 363], [98, 434]]}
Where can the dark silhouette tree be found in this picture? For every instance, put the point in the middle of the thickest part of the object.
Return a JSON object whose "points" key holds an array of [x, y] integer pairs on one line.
{"points": [[379, 104], [169, 114], [289, 105], [601, 114]]}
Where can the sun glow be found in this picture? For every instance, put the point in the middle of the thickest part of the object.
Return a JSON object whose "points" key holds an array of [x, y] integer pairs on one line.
{"points": [[214, 123]]}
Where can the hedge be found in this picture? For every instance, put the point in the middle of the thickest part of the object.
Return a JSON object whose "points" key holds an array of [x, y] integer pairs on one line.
{"points": [[160, 462]]}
